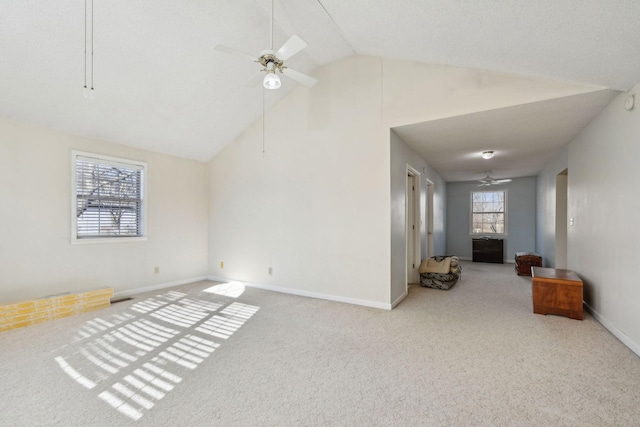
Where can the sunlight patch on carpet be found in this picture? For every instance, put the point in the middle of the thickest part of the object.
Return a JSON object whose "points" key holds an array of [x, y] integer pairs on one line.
{"points": [[230, 289], [133, 359]]}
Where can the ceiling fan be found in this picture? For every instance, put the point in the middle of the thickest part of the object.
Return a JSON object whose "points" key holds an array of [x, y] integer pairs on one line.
{"points": [[489, 180], [273, 61]]}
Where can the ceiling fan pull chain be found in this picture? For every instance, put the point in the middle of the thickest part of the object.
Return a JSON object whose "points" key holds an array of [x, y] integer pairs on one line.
{"points": [[85, 91], [91, 92], [271, 25]]}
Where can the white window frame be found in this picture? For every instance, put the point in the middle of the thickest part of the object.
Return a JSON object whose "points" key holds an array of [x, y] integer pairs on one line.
{"points": [[506, 209], [116, 162]]}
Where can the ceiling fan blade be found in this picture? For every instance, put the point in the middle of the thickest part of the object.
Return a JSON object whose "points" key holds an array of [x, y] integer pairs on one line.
{"points": [[501, 181], [231, 51], [294, 45], [299, 77]]}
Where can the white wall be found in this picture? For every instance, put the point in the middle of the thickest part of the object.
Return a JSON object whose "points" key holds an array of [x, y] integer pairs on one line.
{"points": [[604, 200], [415, 92], [401, 156], [36, 256], [316, 207], [521, 217], [311, 207], [546, 207]]}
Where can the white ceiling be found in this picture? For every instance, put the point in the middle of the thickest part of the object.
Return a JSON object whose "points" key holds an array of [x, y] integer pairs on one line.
{"points": [[523, 138], [160, 86]]}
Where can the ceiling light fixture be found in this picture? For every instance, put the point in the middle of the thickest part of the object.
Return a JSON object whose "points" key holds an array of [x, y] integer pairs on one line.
{"points": [[271, 80], [628, 103], [487, 155]]}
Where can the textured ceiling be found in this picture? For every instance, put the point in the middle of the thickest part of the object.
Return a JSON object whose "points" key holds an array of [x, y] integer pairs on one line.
{"points": [[588, 41], [160, 86]]}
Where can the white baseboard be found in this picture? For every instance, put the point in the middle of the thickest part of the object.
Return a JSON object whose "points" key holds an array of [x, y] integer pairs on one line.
{"points": [[128, 293], [309, 294], [505, 261], [615, 331]]}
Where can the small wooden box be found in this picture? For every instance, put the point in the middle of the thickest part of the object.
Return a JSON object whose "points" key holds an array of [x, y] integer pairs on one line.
{"points": [[526, 260], [556, 291]]}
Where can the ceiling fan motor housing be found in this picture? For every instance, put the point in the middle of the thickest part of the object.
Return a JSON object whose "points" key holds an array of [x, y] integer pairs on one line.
{"points": [[269, 57]]}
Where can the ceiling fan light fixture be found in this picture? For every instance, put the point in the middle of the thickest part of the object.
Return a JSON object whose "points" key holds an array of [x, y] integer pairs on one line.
{"points": [[271, 80], [487, 155]]}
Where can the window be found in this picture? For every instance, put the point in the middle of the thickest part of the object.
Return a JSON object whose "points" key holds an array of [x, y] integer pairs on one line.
{"points": [[108, 197], [488, 212]]}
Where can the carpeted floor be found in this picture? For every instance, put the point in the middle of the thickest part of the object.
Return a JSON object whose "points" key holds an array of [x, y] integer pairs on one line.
{"points": [[212, 354]]}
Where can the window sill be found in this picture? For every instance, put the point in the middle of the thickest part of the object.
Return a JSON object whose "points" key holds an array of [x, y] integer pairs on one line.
{"points": [[92, 241]]}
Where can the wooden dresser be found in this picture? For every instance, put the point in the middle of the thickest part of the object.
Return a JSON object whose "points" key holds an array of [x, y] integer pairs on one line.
{"points": [[556, 291]]}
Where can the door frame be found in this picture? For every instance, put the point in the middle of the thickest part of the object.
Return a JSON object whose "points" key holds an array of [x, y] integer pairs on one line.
{"points": [[561, 234], [429, 244], [412, 234]]}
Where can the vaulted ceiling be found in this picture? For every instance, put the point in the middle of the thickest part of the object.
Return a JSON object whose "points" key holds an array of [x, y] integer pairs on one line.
{"points": [[159, 84]]}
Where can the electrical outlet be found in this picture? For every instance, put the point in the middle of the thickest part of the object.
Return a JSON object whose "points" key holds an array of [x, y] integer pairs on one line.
{"points": [[270, 271], [221, 264], [156, 270]]}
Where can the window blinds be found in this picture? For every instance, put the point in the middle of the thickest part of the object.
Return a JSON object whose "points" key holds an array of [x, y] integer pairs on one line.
{"points": [[109, 198]]}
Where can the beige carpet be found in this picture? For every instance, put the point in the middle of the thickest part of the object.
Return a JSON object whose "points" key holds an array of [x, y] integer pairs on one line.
{"points": [[473, 355]]}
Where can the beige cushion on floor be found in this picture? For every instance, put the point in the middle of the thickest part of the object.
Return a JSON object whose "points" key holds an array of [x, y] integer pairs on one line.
{"points": [[430, 265]]}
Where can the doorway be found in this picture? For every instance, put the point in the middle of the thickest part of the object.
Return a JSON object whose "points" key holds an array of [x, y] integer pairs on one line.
{"points": [[562, 183], [412, 225], [429, 220]]}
